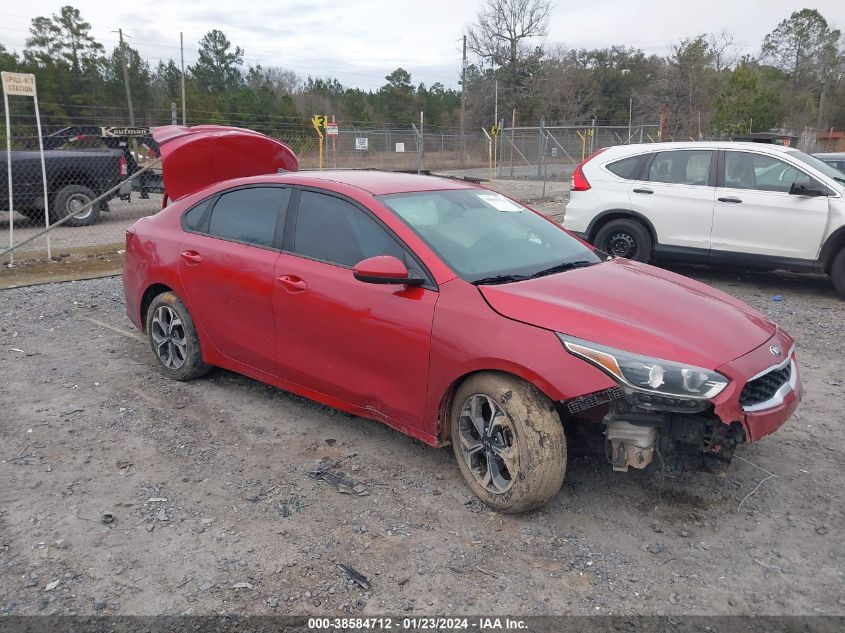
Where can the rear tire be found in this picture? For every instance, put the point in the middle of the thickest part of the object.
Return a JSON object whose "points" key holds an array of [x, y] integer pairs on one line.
{"points": [[837, 272], [72, 197], [625, 238], [173, 339], [509, 442]]}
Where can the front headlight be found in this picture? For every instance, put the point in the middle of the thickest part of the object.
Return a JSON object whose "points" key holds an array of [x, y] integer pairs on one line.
{"points": [[650, 375]]}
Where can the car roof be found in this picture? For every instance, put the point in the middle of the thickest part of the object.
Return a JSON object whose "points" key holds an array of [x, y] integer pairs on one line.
{"points": [[377, 183], [837, 155], [768, 148]]}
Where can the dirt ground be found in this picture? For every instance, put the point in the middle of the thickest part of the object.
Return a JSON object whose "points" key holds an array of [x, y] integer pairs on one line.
{"points": [[213, 509]]}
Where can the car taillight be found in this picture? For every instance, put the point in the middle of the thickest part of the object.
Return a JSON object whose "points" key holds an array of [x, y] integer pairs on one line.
{"points": [[123, 169], [579, 181]]}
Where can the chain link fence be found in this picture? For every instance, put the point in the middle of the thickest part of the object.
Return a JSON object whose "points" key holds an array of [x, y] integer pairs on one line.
{"points": [[97, 185]]}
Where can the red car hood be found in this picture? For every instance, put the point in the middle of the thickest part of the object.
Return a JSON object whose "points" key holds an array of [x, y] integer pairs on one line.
{"points": [[637, 308]]}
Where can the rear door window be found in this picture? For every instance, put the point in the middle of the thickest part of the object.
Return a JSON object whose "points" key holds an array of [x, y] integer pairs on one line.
{"points": [[681, 167], [627, 168], [249, 215]]}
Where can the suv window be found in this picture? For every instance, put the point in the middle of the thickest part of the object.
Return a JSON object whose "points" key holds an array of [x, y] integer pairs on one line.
{"points": [[625, 167], [747, 170], [336, 231], [248, 215], [683, 167]]}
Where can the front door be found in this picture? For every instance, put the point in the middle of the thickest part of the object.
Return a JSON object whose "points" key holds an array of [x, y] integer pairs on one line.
{"points": [[755, 213], [364, 344]]}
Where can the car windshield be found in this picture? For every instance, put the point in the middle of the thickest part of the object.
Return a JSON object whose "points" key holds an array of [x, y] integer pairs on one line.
{"points": [[819, 165], [487, 238]]}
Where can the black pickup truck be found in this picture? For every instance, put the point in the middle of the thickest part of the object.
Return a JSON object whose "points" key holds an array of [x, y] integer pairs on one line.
{"points": [[74, 178]]}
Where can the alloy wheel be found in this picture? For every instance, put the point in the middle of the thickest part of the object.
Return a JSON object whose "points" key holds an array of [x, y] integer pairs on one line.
{"points": [[487, 443], [168, 334]]}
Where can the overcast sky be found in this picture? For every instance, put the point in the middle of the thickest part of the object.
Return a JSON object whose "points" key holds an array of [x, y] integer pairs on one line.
{"points": [[360, 42]]}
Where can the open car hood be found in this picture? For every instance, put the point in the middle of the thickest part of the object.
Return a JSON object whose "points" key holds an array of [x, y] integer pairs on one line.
{"points": [[193, 158], [637, 308]]}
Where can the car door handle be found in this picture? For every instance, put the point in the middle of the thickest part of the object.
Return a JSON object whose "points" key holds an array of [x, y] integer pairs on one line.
{"points": [[292, 283], [731, 199], [643, 190], [192, 258]]}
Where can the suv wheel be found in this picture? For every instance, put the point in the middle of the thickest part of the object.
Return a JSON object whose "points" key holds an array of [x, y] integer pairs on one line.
{"points": [[625, 238], [173, 338], [837, 272], [509, 442]]}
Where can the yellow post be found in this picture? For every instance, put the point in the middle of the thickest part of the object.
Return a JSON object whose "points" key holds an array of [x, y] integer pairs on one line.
{"points": [[583, 145], [319, 121]]}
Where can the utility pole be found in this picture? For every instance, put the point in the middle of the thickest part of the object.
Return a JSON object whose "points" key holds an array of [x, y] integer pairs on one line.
{"points": [[630, 113], [463, 95], [126, 78], [182, 57]]}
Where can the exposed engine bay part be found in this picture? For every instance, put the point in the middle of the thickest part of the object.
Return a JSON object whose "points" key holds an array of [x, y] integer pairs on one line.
{"points": [[631, 445]]}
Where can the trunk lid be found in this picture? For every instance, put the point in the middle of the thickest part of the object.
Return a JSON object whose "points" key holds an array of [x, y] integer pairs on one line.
{"points": [[193, 158]]}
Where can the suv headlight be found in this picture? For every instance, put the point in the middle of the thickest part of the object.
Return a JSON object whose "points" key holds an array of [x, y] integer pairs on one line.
{"points": [[649, 375]]}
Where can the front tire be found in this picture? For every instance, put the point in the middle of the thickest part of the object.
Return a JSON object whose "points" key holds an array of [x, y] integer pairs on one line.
{"points": [[625, 238], [509, 442], [70, 199], [837, 272], [173, 339]]}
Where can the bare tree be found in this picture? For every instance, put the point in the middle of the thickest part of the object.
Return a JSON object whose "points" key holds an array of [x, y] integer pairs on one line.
{"points": [[724, 49], [501, 37]]}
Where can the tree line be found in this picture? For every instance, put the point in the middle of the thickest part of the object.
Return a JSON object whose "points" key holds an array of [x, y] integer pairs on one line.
{"points": [[704, 86]]}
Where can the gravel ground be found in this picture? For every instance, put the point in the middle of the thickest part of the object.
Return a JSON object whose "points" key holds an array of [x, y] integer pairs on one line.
{"points": [[212, 508]]}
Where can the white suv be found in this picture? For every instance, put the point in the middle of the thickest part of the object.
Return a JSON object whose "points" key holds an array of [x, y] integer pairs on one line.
{"points": [[748, 204]]}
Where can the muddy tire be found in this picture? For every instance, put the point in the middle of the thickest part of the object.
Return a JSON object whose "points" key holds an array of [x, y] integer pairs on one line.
{"points": [[173, 338], [72, 197], [509, 442], [625, 238], [837, 272]]}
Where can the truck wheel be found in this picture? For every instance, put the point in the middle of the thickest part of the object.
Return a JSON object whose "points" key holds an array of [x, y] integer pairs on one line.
{"points": [[625, 238], [509, 442], [173, 338], [837, 272], [71, 198]]}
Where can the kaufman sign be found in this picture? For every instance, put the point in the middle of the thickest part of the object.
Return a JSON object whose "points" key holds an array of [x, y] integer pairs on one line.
{"points": [[18, 84]]}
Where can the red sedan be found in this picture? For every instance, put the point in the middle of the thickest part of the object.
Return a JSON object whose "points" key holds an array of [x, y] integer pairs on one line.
{"points": [[447, 311]]}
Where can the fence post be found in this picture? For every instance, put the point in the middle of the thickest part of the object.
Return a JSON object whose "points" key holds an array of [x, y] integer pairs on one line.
{"points": [[540, 149]]}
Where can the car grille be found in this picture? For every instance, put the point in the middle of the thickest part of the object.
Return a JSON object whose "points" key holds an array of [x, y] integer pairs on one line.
{"points": [[764, 388]]}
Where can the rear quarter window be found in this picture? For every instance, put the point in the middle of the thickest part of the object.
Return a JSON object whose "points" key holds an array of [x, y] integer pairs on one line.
{"points": [[625, 168]]}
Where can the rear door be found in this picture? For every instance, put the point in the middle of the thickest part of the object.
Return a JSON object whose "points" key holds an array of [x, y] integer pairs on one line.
{"points": [[676, 193], [365, 344], [226, 261], [755, 213]]}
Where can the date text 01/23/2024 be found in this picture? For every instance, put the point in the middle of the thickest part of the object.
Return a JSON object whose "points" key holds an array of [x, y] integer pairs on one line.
{"points": [[418, 624]]}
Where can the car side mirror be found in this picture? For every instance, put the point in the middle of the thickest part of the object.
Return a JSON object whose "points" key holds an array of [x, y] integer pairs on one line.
{"points": [[802, 190], [384, 269]]}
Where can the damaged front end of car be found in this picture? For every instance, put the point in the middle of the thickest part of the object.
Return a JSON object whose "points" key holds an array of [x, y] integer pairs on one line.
{"points": [[659, 411]]}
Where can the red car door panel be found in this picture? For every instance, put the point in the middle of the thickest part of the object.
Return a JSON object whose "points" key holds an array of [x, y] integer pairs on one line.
{"points": [[230, 296], [366, 344]]}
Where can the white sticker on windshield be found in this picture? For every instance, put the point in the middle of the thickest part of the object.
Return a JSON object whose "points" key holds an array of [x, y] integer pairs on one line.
{"points": [[499, 202]]}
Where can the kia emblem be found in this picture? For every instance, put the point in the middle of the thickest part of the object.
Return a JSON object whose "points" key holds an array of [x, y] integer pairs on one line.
{"points": [[775, 350]]}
